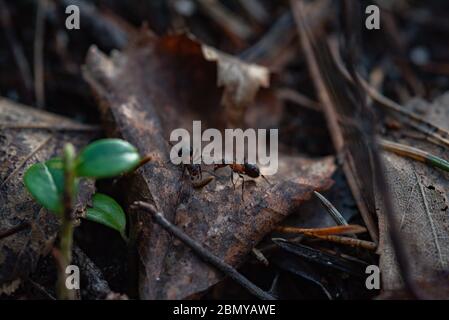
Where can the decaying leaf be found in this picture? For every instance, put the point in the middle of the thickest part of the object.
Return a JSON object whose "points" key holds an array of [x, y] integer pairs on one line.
{"points": [[155, 86], [26, 137], [241, 82], [421, 196]]}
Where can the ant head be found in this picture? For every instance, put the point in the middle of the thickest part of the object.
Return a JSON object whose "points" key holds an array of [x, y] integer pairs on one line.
{"points": [[252, 170]]}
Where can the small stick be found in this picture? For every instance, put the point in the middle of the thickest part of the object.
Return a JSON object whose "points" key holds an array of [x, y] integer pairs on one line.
{"points": [[233, 25], [335, 214], [24, 161], [299, 99], [41, 289], [14, 230], [203, 253], [346, 241], [415, 153], [49, 127], [276, 40], [347, 229]]}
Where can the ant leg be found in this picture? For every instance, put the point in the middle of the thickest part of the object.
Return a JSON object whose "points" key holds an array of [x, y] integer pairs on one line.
{"points": [[183, 172], [232, 179], [265, 178], [201, 173], [243, 184]]}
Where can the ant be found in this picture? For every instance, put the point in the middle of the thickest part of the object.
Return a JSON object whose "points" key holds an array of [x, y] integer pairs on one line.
{"points": [[194, 170], [248, 169]]}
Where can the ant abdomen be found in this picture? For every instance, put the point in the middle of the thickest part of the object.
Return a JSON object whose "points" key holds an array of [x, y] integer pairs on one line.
{"points": [[251, 170]]}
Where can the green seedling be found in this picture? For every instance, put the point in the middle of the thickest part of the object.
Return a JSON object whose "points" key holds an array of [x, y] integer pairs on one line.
{"points": [[54, 185], [107, 211]]}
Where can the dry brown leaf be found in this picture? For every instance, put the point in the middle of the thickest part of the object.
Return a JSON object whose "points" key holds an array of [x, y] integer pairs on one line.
{"points": [[160, 84], [421, 196], [241, 82], [20, 147]]}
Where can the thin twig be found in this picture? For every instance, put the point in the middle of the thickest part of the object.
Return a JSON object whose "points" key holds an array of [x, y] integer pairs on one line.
{"points": [[80, 127], [14, 230], [369, 245], [24, 161], [437, 133], [415, 153], [39, 84], [203, 253], [41, 289], [347, 229], [275, 40], [233, 25], [298, 98]]}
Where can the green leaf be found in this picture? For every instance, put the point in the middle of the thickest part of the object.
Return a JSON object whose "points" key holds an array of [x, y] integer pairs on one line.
{"points": [[107, 158], [45, 182], [107, 211]]}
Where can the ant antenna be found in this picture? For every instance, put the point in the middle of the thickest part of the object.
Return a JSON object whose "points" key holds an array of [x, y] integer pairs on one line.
{"points": [[265, 178]]}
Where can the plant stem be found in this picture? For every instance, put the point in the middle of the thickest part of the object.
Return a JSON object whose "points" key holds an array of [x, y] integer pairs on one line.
{"points": [[66, 231]]}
